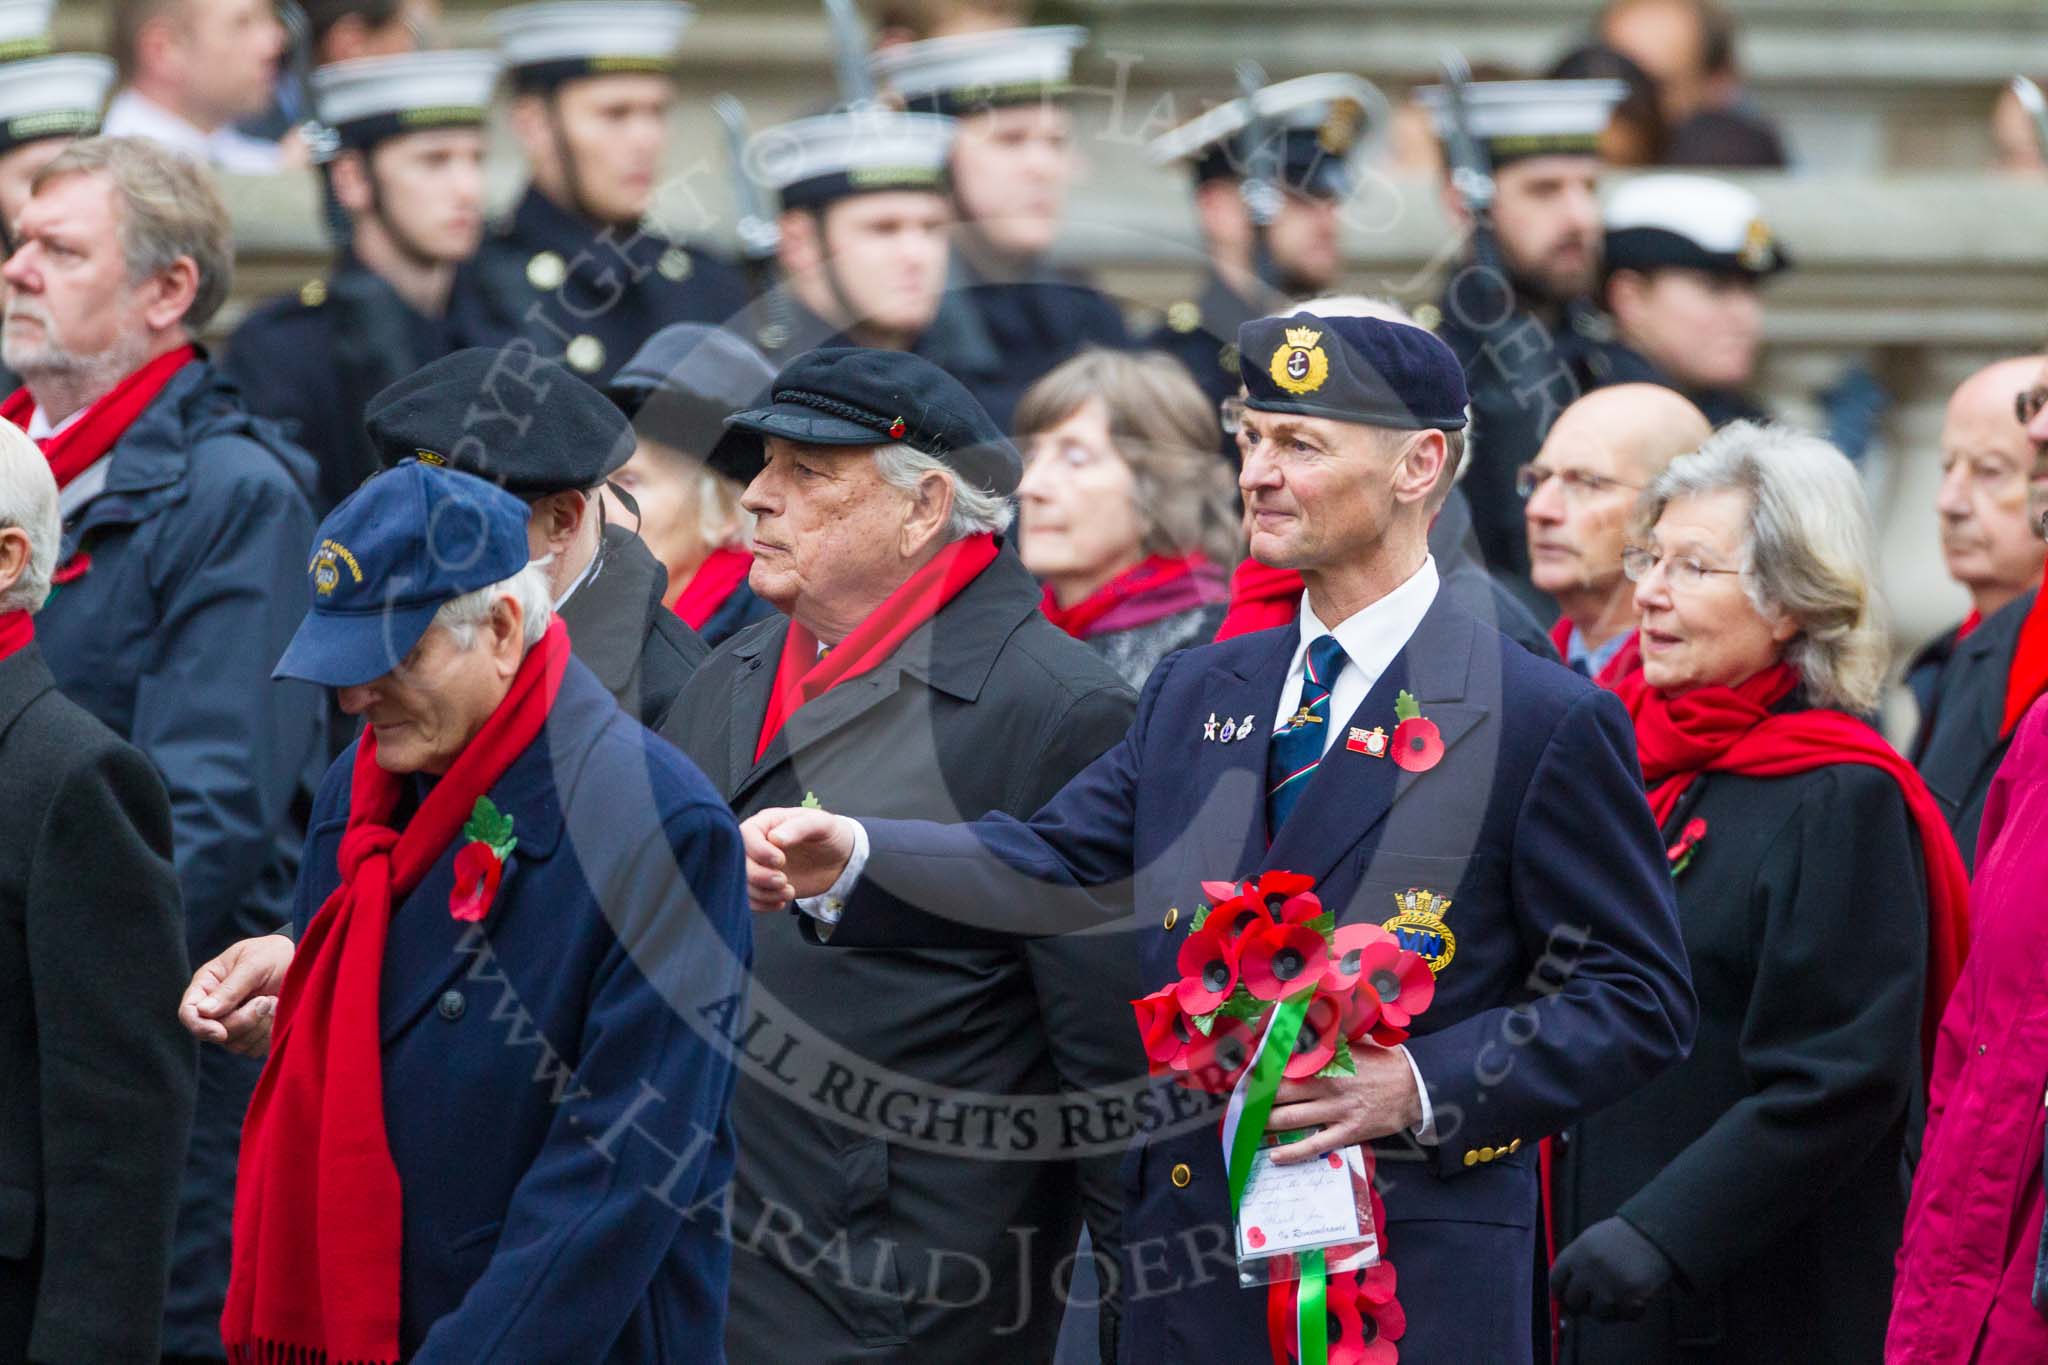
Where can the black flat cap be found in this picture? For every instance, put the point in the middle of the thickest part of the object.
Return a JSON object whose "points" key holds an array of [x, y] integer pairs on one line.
{"points": [[683, 383], [509, 416], [852, 396], [1364, 370]]}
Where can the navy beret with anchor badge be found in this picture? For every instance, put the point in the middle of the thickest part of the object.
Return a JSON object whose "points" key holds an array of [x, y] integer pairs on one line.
{"points": [[854, 396], [1364, 370]]}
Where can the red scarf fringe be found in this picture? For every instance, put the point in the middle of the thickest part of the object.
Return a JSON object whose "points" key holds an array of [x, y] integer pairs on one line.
{"points": [[802, 676], [722, 571], [315, 1265], [73, 450]]}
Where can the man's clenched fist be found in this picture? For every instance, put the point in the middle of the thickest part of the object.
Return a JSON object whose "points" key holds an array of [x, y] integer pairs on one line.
{"points": [[793, 853]]}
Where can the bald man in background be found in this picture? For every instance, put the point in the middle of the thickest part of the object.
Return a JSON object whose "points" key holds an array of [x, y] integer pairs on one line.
{"points": [[1578, 494], [1966, 681]]}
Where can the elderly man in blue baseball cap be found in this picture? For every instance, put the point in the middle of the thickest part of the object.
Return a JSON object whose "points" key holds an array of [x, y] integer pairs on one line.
{"points": [[1470, 817], [501, 842]]}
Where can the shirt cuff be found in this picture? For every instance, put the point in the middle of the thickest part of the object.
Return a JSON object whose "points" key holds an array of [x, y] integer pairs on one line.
{"points": [[827, 909], [1424, 1131]]}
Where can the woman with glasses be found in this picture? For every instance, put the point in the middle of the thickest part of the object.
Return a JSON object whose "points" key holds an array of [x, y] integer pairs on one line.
{"points": [[1745, 1206], [1125, 513]]}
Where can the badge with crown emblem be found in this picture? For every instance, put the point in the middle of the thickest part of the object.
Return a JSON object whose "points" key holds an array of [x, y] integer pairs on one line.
{"points": [[1420, 926], [1757, 248], [1300, 366]]}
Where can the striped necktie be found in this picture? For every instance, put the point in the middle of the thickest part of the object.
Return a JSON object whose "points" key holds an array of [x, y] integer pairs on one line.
{"points": [[1296, 749]]}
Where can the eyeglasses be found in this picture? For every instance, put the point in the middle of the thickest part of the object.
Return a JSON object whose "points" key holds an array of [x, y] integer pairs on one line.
{"points": [[2027, 404], [1230, 412], [1681, 571], [1577, 483]]}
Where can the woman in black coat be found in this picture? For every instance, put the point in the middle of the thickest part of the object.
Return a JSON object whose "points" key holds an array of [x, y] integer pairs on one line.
{"points": [[1746, 1205]]}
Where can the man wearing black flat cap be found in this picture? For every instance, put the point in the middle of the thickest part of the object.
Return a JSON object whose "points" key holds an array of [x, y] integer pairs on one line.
{"points": [[1481, 806], [529, 426], [909, 674]]}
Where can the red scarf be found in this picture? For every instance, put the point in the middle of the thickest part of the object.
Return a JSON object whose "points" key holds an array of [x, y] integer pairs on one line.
{"points": [[1626, 660], [17, 629], [1147, 575], [722, 571], [1260, 598], [802, 676], [1732, 729], [72, 451], [315, 1274], [2027, 677]]}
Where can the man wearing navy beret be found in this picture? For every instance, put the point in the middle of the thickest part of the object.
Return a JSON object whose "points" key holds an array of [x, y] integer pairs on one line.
{"points": [[487, 1101], [530, 427], [1501, 838], [908, 673]]}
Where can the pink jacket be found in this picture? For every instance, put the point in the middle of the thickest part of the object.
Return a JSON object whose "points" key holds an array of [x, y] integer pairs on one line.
{"points": [[1973, 1228]]}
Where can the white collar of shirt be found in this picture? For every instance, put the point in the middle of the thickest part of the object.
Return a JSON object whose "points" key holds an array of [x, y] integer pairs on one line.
{"points": [[136, 115], [39, 428], [1372, 637], [589, 572]]}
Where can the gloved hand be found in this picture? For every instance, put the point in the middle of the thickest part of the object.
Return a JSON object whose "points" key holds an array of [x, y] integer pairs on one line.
{"points": [[1609, 1272]]}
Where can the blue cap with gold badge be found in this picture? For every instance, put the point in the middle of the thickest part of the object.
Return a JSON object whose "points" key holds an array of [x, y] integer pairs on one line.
{"points": [[385, 561], [1364, 370]]}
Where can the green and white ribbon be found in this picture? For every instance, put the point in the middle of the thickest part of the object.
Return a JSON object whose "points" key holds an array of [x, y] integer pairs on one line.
{"points": [[1244, 1125]]}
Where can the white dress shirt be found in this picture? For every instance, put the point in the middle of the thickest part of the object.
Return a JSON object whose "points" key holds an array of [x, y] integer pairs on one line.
{"points": [[1371, 636], [135, 115]]}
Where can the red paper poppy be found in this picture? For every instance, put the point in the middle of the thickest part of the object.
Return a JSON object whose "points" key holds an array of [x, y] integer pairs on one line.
{"points": [[1278, 960], [1417, 745], [1402, 980], [1215, 1061], [1346, 955], [1163, 1028], [1362, 1328], [1321, 1027], [1286, 896], [1208, 969], [477, 873], [1236, 916]]}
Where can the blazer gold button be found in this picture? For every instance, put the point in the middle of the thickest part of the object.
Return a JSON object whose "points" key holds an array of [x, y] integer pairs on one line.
{"points": [[1172, 916], [451, 1005], [1181, 1175], [1515, 1146], [1487, 1154], [1471, 1158]]}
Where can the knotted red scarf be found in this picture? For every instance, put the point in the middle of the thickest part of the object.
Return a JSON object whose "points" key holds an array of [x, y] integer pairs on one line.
{"points": [[72, 451], [315, 1274], [722, 571], [1732, 729], [2027, 676], [1260, 598], [17, 628], [802, 676], [1626, 660], [1147, 575]]}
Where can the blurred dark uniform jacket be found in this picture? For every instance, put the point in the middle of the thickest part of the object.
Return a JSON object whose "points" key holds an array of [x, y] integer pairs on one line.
{"points": [[987, 676], [1001, 337], [1522, 374], [586, 295], [314, 359]]}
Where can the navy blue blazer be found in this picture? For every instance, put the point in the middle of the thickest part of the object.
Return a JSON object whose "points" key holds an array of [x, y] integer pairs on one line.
{"points": [[1567, 985], [554, 1095]]}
